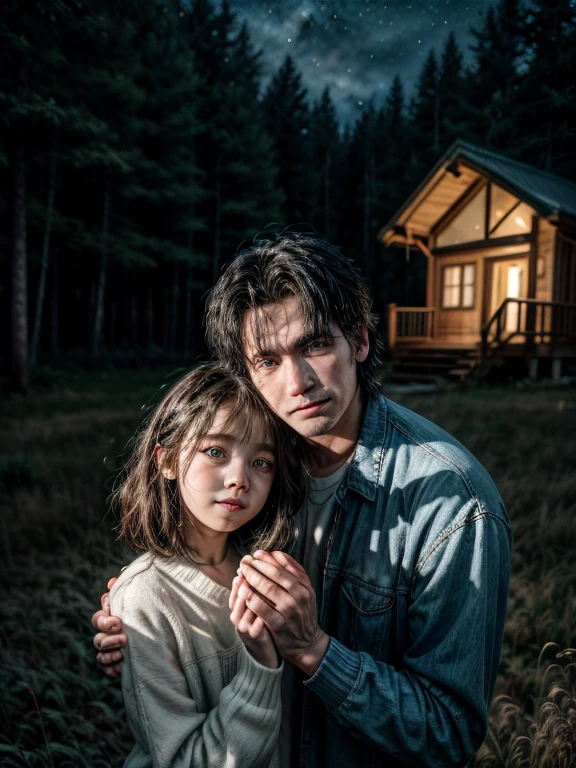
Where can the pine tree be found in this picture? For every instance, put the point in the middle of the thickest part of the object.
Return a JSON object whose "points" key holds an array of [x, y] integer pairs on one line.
{"points": [[167, 186], [250, 194], [492, 83], [361, 194], [108, 153], [546, 97], [395, 150], [452, 94], [48, 218], [425, 117], [325, 150], [395, 109], [28, 40], [237, 159], [288, 122]]}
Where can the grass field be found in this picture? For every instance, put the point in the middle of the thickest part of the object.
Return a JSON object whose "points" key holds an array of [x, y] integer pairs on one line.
{"points": [[59, 450]]}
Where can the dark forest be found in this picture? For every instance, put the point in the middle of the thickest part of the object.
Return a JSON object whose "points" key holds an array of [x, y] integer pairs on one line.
{"points": [[138, 150]]}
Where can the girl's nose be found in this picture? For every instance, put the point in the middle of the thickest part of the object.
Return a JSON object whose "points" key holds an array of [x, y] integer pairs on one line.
{"points": [[237, 476]]}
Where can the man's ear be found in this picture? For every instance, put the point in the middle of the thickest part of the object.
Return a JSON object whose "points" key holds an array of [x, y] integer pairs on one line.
{"points": [[159, 454], [363, 345]]}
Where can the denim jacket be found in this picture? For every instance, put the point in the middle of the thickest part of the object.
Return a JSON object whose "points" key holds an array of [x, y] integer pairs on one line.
{"points": [[414, 601]]}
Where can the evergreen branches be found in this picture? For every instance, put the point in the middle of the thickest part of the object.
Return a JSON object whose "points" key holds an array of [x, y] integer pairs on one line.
{"points": [[169, 153]]}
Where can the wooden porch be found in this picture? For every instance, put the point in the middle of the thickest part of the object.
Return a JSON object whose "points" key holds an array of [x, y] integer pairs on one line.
{"points": [[520, 328]]}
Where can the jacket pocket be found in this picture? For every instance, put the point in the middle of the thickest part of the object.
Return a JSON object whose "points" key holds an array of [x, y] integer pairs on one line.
{"points": [[365, 618]]}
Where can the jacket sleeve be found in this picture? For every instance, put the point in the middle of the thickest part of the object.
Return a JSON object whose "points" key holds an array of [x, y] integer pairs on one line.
{"points": [[240, 728], [432, 709]]}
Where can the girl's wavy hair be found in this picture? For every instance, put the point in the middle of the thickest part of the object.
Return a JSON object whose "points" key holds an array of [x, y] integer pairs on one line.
{"points": [[150, 506], [327, 286]]}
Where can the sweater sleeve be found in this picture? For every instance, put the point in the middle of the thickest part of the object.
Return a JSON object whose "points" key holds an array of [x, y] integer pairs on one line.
{"points": [[240, 730]]}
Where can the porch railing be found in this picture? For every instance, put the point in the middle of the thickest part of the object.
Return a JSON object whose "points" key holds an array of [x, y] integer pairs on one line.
{"points": [[536, 322], [410, 323]]}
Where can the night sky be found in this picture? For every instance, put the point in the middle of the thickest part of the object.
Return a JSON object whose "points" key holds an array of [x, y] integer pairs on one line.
{"points": [[355, 47]]}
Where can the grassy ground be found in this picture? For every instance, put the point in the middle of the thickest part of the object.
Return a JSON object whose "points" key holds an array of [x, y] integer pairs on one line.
{"points": [[59, 449]]}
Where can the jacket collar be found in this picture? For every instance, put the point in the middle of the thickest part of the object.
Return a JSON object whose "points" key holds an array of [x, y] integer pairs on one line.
{"points": [[366, 465]]}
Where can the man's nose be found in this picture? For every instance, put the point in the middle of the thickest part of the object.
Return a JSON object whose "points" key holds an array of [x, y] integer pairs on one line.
{"points": [[299, 377], [237, 475]]}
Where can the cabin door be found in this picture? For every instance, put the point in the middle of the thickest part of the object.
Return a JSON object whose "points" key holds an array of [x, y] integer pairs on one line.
{"points": [[507, 278]]}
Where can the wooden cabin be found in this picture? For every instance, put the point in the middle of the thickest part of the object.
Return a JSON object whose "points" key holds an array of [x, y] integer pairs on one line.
{"points": [[499, 237]]}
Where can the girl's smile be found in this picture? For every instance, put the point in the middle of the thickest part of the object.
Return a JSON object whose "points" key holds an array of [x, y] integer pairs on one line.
{"points": [[232, 504]]}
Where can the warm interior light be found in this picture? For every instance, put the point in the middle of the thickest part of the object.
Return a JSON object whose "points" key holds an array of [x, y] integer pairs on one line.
{"points": [[513, 282], [513, 292], [521, 223]]}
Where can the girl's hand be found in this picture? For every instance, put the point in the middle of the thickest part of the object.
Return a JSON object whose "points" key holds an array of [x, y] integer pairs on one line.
{"points": [[253, 632]]}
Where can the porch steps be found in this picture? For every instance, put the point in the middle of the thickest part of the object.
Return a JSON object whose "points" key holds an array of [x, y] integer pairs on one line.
{"points": [[421, 364]]}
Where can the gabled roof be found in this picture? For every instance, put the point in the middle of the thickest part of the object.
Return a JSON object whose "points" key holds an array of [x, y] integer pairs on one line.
{"points": [[551, 196]]}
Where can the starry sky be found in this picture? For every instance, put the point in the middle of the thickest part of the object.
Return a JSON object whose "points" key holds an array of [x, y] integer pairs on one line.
{"points": [[355, 46]]}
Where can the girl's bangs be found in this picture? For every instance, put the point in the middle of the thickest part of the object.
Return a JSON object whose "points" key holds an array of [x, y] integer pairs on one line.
{"points": [[242, 416]]}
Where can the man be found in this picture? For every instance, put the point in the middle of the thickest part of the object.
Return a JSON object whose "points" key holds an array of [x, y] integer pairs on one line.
{"points": [[391, 616]]}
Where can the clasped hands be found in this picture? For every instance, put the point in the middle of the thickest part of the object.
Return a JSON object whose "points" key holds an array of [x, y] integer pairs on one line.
{"points": [[278, 591], [272, 593]]}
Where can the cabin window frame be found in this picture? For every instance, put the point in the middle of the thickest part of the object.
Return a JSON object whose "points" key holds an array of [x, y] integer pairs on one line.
{"points": [[462, 265], [481, 188], [488, 241]]}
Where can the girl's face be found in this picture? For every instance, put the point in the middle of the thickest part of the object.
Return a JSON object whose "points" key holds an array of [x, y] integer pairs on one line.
{"points": [[228, 481]]}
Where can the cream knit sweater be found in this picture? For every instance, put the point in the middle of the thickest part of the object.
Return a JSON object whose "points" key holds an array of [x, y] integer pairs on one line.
{"points": [[194, 695]]}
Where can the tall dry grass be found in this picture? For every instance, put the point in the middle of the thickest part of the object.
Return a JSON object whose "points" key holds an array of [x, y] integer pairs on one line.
{"points": [[58, 451], [57, 550], [542, 734]]}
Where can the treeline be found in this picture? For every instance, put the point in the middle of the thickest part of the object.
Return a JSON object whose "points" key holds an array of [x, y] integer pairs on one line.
{"points": [[138, 149]]}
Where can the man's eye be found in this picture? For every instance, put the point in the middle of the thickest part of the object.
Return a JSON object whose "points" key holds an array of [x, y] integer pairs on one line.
{"points": [[267, 363], [316, 346]]}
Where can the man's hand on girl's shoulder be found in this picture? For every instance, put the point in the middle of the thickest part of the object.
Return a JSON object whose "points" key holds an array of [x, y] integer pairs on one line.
{"points": [[109, 639]]}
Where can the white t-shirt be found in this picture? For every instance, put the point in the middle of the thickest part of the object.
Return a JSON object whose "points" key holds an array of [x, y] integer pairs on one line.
{"points": [[312, 527]]}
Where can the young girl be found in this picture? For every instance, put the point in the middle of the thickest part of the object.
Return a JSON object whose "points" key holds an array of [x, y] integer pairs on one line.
{"points": [[213, 476]]}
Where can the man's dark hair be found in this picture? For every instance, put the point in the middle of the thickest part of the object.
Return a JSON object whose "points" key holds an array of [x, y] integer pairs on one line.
{"points": [[327, 286]]}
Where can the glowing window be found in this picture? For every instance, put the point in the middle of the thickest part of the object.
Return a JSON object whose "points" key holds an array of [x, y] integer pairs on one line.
{"points": [[458, 283], [468, 225], [468, 285], [518, 222], [501, 203]]}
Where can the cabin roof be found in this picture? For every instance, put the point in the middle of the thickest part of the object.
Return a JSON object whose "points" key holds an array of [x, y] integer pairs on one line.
{"points": [[551, 196]]}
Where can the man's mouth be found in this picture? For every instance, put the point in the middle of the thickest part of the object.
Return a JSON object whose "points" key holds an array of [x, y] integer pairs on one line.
{"points": [[311, 408]]}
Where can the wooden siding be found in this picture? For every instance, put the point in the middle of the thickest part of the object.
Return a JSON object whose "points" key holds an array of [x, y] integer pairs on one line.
{"points": [[564, 268], [466, 324], [459, 323], [545, 260]]}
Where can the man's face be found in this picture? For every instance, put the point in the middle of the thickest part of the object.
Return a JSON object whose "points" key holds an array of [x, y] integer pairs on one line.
{"points": [[309, 382]]}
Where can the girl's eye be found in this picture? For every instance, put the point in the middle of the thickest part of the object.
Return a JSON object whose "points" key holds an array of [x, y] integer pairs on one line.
{"points": [[214, 453], [263, 464]]}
